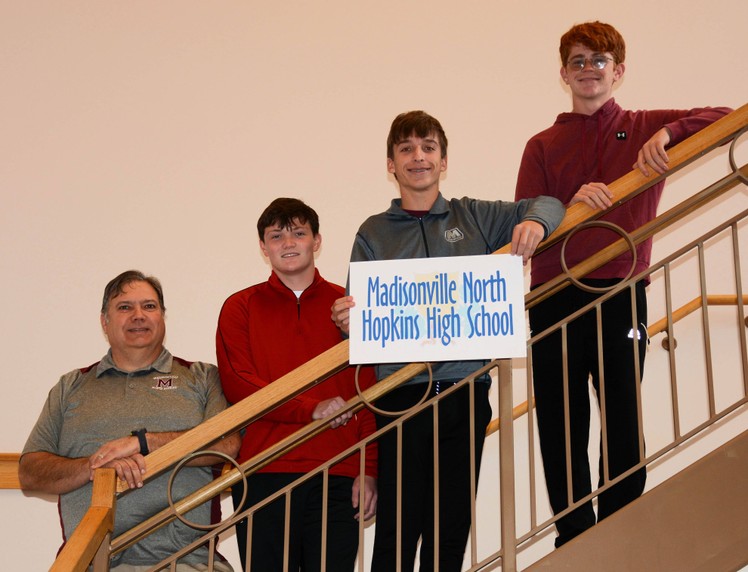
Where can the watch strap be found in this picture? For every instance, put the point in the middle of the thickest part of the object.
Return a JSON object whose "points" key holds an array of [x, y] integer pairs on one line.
{"points": [[140, 434]]}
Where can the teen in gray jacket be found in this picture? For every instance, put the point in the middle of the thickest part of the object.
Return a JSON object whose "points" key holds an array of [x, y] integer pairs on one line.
{"points": [[422, 223]]}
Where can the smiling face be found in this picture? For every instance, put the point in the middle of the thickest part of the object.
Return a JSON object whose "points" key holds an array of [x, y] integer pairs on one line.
{"points": [[290, 251], [590, 87], [134, 323], [417, 164]]}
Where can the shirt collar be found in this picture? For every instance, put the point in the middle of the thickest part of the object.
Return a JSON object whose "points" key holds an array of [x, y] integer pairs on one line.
{"points": [[162, 364], [440, 206], [276, 283]]}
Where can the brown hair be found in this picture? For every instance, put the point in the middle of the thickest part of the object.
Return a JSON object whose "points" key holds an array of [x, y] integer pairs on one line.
{"points": [[117, 285], [597, 36], [417, 123], [283, 212]]}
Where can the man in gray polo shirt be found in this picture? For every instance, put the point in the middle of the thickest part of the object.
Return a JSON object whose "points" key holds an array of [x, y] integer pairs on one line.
{"points": [[114, 412]]}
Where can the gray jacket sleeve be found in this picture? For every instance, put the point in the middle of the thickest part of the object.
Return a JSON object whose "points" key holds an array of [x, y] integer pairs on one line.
{"points": [[548, 211], [497, 219]]}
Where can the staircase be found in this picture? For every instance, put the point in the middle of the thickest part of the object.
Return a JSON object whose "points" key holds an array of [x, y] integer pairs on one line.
{"points": [[696, 520]]}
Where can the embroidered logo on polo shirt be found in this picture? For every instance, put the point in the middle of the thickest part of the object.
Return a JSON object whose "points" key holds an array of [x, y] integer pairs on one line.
{"points": [[165, 382], [453, 235], [621, 135]]}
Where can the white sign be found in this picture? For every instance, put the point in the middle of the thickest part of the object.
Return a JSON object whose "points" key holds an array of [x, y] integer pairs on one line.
{"points": [[437, 309]]}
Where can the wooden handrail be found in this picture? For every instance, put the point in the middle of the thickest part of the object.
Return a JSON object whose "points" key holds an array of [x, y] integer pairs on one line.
{"points": [[336, 357], [517, 412], [620, 246], [9, 471], [9, 461], [97, 525], [692, 306]]}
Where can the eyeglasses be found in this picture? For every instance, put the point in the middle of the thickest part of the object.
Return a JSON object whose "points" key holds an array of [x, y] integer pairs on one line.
{"points": [[597, 62]]}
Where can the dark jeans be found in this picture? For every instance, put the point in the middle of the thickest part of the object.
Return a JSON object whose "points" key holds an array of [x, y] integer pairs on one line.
{"points": [[305, 537], [418, 479], [622, 424]]}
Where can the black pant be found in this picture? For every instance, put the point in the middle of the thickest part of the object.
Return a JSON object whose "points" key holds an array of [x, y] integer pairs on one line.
{"points": [[305, 542], [618, 335], [418, 479]]}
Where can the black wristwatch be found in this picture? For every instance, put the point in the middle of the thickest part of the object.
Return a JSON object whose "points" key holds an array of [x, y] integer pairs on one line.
{"points": [[140, 434]]}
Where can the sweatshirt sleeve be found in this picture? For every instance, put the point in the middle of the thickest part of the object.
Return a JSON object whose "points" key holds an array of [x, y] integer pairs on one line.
{"points": [[239, 375], [694, 121], [497, 219]]}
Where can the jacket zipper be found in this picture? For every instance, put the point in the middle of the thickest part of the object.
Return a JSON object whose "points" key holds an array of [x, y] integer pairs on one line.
{"points": [[423, 234]]}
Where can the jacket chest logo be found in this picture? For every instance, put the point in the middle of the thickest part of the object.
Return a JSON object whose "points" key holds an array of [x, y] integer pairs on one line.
{"points": [[453, 235]]}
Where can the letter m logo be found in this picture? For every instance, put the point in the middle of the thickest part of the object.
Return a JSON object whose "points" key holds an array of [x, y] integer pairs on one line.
{"points": [[453, 235], [162, 383]]}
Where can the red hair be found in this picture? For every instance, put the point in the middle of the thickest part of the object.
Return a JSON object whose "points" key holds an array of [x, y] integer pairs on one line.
{"points": [[596, 36]]}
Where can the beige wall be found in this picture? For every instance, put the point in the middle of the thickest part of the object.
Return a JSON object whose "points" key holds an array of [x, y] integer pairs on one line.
{"points": [[152, 134]]}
